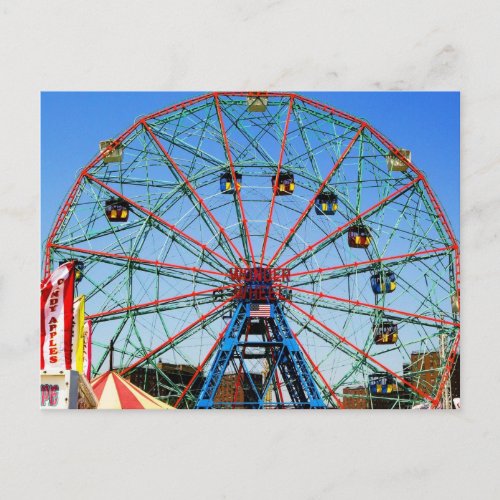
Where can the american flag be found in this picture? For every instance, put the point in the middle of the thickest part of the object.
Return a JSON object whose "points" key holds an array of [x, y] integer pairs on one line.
{"points": [[260, 310]]}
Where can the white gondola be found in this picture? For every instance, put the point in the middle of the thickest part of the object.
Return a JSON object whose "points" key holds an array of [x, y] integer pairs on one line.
{"points": [[257, 103], [114, 155], [396, 164]]}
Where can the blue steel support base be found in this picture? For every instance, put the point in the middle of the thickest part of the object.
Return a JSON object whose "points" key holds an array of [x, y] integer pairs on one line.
{"points": [[283, 356]]}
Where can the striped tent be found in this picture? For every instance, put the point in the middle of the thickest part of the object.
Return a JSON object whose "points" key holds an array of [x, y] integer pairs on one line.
{"points": [[116, 393]]}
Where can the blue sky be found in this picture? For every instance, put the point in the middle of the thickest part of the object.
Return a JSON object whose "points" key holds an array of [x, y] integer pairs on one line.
{"points": [[427, 123]]}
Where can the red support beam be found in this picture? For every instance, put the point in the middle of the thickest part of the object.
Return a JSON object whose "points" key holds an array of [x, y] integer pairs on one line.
{"points": [[177, 107], [372, 261], [350, 222], [192, 189], [177, 336], [127, 258], [275, 187], [360, 351], [155, 303], [329, 109], [457, 273], [371, 306], [160, 220], [303, 215], [233, 174]]}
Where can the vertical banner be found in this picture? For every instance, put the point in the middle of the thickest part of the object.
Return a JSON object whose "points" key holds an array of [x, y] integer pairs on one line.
{"points": [[77, 338], [56, 315], [87, 349]]}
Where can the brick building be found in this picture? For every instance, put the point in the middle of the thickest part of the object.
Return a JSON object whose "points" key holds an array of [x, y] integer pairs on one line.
{"points": [[355, 398], [424, 368]]}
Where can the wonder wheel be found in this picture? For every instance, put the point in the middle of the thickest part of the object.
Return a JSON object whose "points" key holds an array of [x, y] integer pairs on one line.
{"points": [[263, 250]]}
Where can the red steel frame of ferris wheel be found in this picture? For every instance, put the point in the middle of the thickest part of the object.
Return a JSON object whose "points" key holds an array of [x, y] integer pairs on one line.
{"points": [[371, 306], [154, 303], [447, 371], [319, 191], [317, 370], [233, 174], [192, 189], [175, 337], [360, 351], [372, 261], [350, 222], [154, 263], [201, 366], [159, 219], [176, 107], [276, 182], [69, 200]]}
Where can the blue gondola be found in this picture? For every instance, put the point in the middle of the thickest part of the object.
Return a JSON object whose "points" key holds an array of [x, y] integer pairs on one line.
{"points": [[226, 182], [326, 204], [383, 282]]}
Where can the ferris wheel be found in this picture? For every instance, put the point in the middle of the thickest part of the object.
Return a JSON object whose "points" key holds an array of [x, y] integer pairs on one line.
{"points": [[263, 250]]}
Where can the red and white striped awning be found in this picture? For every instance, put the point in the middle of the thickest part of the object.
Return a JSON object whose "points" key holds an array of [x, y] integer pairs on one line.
{"points": [[116, 393]]}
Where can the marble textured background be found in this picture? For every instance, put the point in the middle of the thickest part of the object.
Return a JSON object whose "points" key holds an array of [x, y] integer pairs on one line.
{"points": [[285, 45]]}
